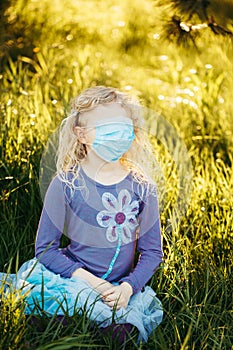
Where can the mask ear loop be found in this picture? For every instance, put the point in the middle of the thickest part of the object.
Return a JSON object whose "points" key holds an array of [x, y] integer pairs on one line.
{"points": [[76, 124]]}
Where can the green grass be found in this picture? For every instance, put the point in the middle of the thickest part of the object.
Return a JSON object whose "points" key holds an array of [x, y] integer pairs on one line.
{"points": [[56, 58]]}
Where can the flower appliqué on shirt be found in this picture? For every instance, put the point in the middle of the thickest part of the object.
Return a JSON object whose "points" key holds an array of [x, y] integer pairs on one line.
{"points": [[120, 212]]}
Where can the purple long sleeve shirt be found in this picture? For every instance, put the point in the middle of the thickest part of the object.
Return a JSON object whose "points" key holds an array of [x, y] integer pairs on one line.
{"points": [[94, 217]]}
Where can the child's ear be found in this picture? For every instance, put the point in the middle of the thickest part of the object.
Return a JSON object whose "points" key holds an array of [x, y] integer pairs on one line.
{"points": [[80, 133]]}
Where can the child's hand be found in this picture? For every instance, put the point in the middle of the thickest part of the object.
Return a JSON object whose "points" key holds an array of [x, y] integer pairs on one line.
{"points": [[118, 296], [99, 284], [102, 286]]}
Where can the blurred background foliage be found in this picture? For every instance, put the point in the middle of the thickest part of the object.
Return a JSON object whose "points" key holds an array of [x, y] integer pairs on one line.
{"points": [[176, 58]]}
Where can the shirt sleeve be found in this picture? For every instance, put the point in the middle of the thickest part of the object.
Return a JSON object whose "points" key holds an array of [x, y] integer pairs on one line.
{"points": [[50, 230], [149, 244]]}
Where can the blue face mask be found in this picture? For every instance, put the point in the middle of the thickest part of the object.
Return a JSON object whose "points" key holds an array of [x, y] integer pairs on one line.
{"points": [[113, 139]]}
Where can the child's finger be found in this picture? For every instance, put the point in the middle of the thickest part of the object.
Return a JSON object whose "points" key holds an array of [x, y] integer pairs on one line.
{"points": [[108, 292], [110, 297], [104, 296], [113, 304]]}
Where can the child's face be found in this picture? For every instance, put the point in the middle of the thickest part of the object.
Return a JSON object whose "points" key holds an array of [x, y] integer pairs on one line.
{"points": [[107, 112]]}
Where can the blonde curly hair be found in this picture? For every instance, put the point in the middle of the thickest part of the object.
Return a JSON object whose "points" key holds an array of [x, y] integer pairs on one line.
{"points": [[71, 151]]}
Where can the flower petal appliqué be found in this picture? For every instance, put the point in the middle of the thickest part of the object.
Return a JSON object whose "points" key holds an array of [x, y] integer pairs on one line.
{"points": [[105, 218], [111, 234], [126, 236], [124, 199], [110, 202]]}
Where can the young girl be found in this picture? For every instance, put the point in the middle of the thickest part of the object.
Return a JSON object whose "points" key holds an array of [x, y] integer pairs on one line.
{"points": [[106, 204]]}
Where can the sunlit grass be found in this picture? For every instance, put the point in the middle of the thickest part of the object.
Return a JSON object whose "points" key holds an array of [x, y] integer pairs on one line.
{"points": [[13, 320], [64, 50]]}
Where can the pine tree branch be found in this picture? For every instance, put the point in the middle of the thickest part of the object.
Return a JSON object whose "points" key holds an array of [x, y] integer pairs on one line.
{"points": [[185, 32], [190, 7], [217, 29]]}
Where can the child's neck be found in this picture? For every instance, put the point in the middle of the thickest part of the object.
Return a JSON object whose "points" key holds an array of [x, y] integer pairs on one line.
{"points": [[103, 172]]}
